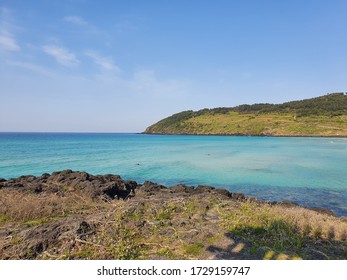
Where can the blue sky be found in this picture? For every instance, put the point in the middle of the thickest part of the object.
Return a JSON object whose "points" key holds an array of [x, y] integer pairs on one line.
{"points": [[119, 66]]}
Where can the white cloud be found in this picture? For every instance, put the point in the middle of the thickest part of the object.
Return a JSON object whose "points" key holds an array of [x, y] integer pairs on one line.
{"points": [[106, 63], [82, 23], [30, 66], [7, 39], [62, 55], [7, 42], [75, 20]]}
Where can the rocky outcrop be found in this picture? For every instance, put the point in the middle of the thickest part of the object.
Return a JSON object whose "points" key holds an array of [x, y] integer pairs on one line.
{"points": [[107, 186], [76, 215], [62, 182], [111, 187]]}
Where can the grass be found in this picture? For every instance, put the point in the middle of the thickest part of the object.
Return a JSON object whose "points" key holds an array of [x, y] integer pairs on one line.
{"points": [[277, 230], [173, 227], [260, 124], [194, 249], [18, 206], [3, 219], [37, 222]]}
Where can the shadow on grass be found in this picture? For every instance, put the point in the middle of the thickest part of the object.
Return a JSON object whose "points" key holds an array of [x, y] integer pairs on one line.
{"points": [[235, 248], [278, 241]]}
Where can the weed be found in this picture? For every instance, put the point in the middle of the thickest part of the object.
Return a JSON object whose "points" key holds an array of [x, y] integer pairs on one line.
{"points": [[4, 219], [258, 226], [317, 233], [37, 222], [163, 214], [194, 249], [166, 253]]}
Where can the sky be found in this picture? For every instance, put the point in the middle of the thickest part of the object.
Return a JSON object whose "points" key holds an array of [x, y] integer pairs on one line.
{"points": [[122, 65]]}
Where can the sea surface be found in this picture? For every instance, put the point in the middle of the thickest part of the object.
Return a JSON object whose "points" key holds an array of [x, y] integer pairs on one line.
{"points": [[310, 171]]}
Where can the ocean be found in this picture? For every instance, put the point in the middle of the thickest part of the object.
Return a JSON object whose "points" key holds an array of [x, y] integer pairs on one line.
{"points": [[309, 171]]}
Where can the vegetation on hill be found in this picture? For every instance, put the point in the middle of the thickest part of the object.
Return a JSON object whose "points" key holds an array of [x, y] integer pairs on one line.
{"points": [[320, 116]]}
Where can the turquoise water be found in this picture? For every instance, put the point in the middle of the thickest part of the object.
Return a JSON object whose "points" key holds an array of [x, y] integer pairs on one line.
{"points": [[310, 171]]}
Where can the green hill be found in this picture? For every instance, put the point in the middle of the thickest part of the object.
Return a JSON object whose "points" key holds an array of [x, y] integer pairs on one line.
{"points": [[321, 116]]}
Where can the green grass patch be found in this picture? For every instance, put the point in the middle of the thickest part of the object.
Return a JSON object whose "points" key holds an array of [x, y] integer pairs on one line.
{"points": [[258, 226], [194, 249], [258, 124], [4, 219], [167, 254], [38, 222]]}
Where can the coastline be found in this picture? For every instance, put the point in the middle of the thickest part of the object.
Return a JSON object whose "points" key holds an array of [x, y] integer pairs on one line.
{"points": [[183, 134], [35, 184], [248, 135], [255, 166], [87, 216]]}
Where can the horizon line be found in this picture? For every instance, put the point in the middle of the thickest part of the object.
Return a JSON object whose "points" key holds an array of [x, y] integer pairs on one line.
{"points": [[76, 132]]}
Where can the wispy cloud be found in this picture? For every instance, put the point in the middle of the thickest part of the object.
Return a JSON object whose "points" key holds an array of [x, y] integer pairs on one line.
{"points": [[76, 20], [30, 66], [82, 23], [104, 62], [7, 42], [62, 55], [7, 38]]}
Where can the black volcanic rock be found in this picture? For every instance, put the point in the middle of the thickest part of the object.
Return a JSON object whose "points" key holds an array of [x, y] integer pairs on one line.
{"points": [[148, 186], [111, 186], [202, 189], [223, 192], [182, 189], [238, 196], [74, 226], [63, 182]]}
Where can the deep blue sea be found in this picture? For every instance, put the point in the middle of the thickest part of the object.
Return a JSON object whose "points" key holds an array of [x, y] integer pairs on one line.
{"points": [[309, 171]]}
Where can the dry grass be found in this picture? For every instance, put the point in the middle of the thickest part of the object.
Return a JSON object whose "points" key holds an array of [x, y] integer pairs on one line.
{"points": [[166, 228], [112, 237], [18, 206], [172, 229], [293, 232], [313, 224], [305, 222]]}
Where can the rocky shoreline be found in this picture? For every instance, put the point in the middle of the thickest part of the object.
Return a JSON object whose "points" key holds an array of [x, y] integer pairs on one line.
{"points": [[110, 186], [77, 215]]}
